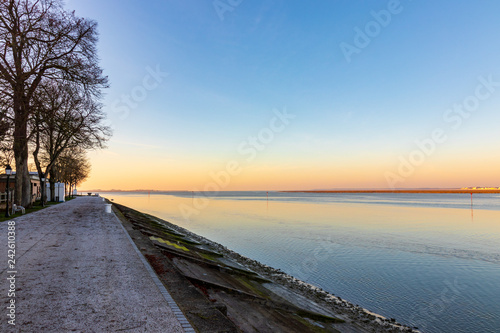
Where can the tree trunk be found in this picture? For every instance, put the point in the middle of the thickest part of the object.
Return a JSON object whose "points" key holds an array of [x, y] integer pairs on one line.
{"points": [[41, 175], [44, 199], [23, 182], [21, 165], [27, 194], [52, 187]]}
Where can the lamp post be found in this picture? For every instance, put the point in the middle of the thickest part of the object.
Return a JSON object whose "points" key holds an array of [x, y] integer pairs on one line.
{"points": [[8, 172]]}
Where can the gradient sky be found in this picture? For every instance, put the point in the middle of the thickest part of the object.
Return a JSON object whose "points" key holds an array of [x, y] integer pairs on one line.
{"points": [[364, 81]]}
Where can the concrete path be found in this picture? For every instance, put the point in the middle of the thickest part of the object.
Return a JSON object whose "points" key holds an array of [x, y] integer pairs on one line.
{"points": [[77, 271]]}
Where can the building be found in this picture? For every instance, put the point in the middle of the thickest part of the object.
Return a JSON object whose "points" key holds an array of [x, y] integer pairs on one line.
{"points": [[35, 185], [59, 191]]}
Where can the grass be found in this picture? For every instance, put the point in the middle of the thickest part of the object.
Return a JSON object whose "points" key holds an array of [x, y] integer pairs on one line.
{"points": [[35, 208]]}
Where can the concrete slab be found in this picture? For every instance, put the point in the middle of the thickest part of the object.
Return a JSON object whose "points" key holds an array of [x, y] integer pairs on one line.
{"points": [[76, 270]]}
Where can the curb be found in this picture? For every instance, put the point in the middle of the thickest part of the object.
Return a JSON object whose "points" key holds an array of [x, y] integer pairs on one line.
{"points": [[166, 295]]}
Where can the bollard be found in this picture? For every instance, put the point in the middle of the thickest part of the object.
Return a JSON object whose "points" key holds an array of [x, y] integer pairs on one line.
{"points": [[108, 208]]}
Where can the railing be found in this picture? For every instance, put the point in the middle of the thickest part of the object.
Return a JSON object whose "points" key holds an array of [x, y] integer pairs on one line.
{"points": [[3, 196]]}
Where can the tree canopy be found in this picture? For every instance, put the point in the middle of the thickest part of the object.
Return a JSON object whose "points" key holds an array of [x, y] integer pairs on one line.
{"points": [[44, 47]]}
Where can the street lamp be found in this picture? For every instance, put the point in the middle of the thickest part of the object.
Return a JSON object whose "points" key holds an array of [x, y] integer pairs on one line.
{"points": [[8, 172]]}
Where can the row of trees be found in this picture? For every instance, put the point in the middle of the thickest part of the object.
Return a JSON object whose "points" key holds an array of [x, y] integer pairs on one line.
{"points": [[71, 168], [50, 92]]}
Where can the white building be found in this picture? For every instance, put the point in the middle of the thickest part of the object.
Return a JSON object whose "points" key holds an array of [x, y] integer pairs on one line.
{"points": [[58, 189]]}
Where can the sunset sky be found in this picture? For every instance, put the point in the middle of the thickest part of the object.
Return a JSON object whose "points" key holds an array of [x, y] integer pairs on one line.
{"points": [[283, 95]]}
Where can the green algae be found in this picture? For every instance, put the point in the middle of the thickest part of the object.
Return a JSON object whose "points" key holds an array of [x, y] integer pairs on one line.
{"points": [[163, 241]]}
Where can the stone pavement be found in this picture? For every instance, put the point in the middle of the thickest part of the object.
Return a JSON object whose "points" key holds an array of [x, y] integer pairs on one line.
{"points": [[76, 270]]}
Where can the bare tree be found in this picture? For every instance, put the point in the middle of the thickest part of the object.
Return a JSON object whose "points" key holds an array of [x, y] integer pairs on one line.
{"points": [[6, 153], [40, 40], [5, 120], [64, 118], [72, 168], [5, 123]]}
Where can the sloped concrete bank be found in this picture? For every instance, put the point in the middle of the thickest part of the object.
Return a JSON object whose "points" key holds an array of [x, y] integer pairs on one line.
{"points": [[222, 291]]}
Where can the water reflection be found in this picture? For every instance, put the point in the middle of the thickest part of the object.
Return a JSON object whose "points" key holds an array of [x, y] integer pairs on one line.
{"points": [[394, 256]]}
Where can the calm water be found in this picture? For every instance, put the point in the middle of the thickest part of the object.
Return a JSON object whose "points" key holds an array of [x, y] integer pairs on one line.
{"points": [[428, 260]]}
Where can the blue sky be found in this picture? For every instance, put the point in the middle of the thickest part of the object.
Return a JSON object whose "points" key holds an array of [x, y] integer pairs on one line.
{"points": [[353, 119]]}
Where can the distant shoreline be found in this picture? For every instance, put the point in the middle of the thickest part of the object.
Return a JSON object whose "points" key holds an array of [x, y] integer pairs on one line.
{"points": [[463, 191]]}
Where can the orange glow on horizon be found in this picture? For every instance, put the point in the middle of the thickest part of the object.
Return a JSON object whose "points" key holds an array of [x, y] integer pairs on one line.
{"points": [[113, 171]]}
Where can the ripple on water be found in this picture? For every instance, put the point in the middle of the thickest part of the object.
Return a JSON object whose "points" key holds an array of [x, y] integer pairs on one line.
{"points": [[416, 258]]}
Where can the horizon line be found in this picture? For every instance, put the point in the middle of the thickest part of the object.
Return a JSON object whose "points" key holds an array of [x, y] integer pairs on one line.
{"points": [[477, 188]]}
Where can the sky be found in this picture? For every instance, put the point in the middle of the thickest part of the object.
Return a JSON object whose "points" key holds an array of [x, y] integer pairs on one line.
{"points": [[295, 95]]}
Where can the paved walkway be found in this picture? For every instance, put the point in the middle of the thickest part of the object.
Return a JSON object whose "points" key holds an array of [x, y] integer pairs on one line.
{"points": [[77, 270]]}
